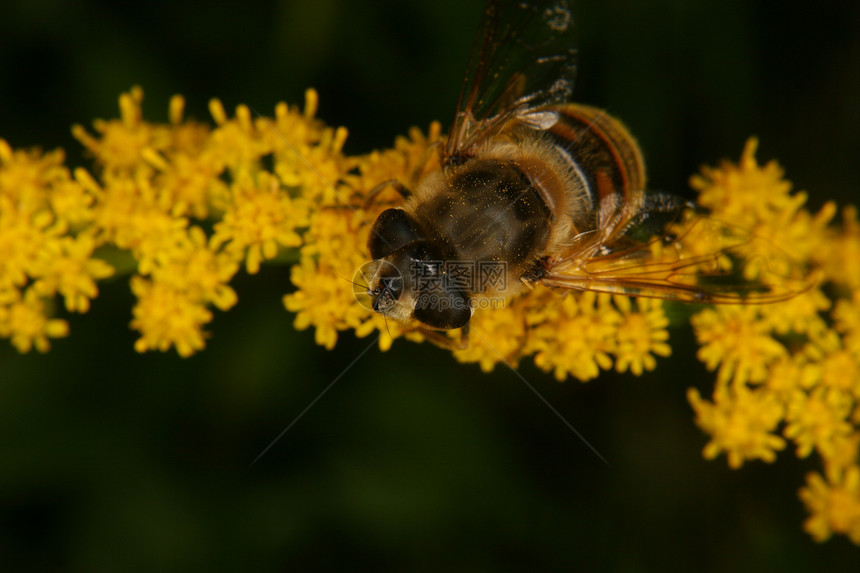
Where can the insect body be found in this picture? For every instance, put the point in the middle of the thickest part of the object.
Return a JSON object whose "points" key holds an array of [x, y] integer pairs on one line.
{"points": [[519, 200], [532, 189]]}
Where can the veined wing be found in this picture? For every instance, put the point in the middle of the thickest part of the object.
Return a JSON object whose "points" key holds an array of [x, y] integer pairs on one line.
{"points": [[523, 59], [697, 260]]}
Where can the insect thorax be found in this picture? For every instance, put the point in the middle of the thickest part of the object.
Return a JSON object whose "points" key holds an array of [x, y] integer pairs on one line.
{"points": [[488, 211]]}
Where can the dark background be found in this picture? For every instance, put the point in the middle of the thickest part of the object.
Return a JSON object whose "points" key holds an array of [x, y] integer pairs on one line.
{"points": [[110, 460]]}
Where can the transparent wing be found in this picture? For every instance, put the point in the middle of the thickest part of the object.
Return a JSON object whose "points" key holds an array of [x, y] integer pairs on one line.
{"points": [[523, 59], [697, 260]]}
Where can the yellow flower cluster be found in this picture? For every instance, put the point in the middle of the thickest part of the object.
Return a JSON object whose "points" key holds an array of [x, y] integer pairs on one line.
{"points": [[183, 205], [788, 372], [46, 246], [266, 188], [158, 186], [575, 335]]}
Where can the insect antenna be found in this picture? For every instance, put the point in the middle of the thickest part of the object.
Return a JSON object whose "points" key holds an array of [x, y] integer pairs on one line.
{"points": [[355, 283]]}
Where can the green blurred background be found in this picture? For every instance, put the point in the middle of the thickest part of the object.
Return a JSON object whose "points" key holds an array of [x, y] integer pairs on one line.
{"points": [[110, 460]]}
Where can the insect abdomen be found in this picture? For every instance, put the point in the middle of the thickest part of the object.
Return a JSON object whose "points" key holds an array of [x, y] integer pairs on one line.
{"points": [[604, 156]]}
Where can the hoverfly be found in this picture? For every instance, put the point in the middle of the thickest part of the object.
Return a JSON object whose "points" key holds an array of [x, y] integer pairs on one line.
{"points": [[550, 191]]}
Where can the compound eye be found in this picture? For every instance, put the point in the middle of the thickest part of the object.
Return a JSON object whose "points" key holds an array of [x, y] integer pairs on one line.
{"points": [[393, 229], [443, 310]]}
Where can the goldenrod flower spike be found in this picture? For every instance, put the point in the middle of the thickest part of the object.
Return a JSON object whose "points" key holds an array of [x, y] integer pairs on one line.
{"points": [[794, 367], [183, 206]]}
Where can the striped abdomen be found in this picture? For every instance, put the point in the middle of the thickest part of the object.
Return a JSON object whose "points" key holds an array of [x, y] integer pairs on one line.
{"points": [[608, 178]]}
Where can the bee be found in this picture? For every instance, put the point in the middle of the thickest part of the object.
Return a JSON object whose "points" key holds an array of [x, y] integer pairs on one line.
{"points": [[533, 189]]}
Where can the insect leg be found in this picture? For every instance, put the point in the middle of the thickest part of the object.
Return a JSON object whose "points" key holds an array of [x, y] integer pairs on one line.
{"points": [[394, 183], [442, 341]]}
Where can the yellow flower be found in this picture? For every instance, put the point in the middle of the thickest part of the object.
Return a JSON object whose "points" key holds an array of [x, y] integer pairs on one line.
{"points": [[26, 323], [66, 266], [745, 193], [410, 158], [32, 180], [741, 423], [121, 144], [335, 233], [235, 143], [167, 317], [846, 318], [187, 184], [315, 168], [579, 339], [758, 199], [834, 505], [798, 315], [790, 374], [641, 334], [127, 216], [816, 419], [323, 300], [843, 454], [259, 219], [21, 238], [840, 257], [199, 268], [735, 339]]}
